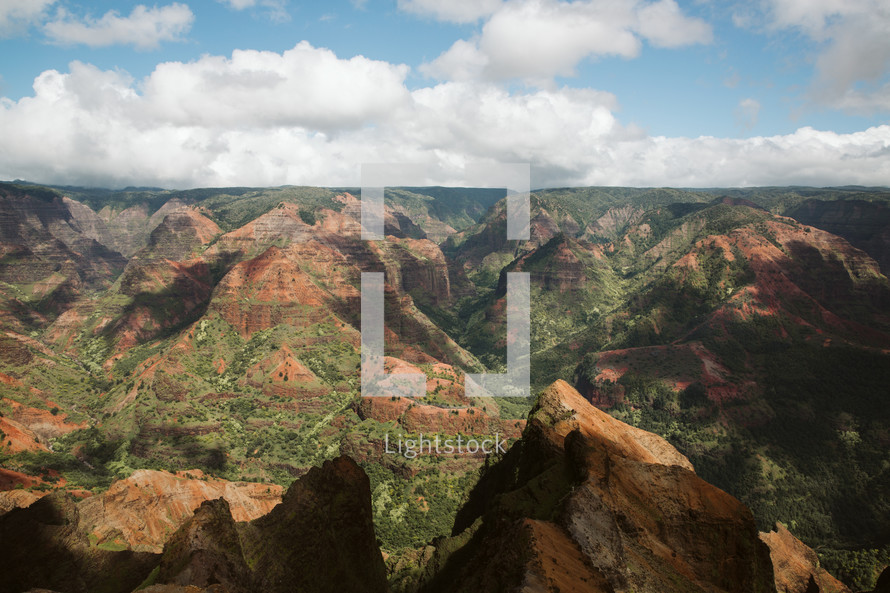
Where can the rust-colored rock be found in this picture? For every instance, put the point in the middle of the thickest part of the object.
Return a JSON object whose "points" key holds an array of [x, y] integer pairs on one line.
{"points": [[144, 509], [562, 410], [178, 236], [621, 506], [17, 499], [795, 565], [43, 547], [36, 424], [320, 539], [17, 438]]}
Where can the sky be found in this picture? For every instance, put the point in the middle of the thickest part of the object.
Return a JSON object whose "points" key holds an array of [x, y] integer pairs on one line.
{"points": [[697, 93]]}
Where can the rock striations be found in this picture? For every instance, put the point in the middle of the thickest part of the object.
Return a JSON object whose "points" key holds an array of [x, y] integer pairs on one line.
{"points": [[582, 503], [319, 539], [587, 503]]}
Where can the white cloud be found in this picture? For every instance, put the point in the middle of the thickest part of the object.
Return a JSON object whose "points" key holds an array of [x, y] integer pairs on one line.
{"points": [[536, 40], [455, 11], [304, 86], [145, 28], [664, 25], [747, 112], [275, 10], [811, 16], [238, 4], [308, 117], [17, 15], [853, 62]]}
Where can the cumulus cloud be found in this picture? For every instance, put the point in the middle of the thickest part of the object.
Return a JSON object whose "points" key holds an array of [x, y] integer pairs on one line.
{"points": [[536, 40], [306, 116], [144, 28], [455, 11], [305, 86], [17, 15], [853, 62]]}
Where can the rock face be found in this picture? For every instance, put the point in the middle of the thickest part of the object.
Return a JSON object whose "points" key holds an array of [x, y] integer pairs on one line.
{"points": [[30, 429], [45, 251], [865, 225], [89, 222], [319, 539], [131, 227], [330, 507], [615, 221], [42, 547], [142, 510], [16, 499], [555, 266], [587, 503], [206, 550], [179, 234], [796, 566]]}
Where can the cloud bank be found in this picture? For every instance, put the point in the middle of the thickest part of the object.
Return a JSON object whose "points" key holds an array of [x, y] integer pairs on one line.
{"points": [[306, 116]]}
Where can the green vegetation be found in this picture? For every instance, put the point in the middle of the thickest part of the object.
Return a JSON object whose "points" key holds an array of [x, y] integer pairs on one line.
{"points": [[762, 359], [409, 513]]}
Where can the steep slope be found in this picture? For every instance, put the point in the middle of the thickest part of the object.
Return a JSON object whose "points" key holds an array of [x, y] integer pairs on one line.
{"points": [[46, 259], [319, 539], [131, 225], [755, 344], [865, 224], [620, 505], [141, 511], [796, 566], [178, 236], [42, 547], [758, 349], [162, 287]]}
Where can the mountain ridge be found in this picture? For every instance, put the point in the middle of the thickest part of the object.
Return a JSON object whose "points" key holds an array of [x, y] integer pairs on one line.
{"points": [[228, 340]]}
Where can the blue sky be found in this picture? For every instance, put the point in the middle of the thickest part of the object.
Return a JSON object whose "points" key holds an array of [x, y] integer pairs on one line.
{"points": [[623, 92]]}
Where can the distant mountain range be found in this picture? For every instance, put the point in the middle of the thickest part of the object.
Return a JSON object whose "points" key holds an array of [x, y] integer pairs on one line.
{"points": [[217, 331]]}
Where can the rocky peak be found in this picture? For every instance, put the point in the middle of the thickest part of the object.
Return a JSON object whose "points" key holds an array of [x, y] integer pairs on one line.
{"points": [[336, 551], [179, 234], [560, 409], [796, 566], [586, 490], [142, 510], [319, 539], [53, 257], [282, 223], [205, 551], [41, 546]]}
